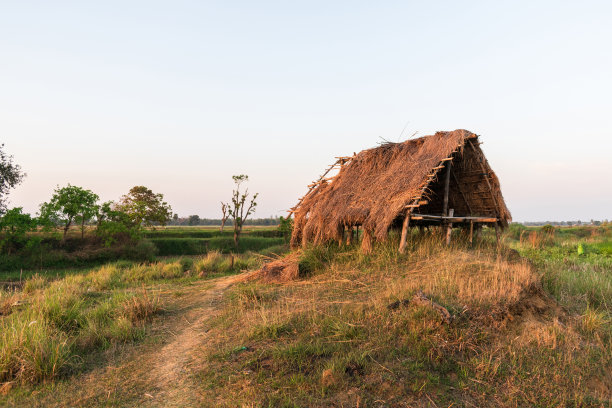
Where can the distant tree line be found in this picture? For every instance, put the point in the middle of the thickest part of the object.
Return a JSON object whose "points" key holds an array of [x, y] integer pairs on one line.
{"points": [[194, 220], [122, 220], [565, 223]]}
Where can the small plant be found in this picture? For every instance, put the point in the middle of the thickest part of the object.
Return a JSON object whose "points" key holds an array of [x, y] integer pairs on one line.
{"points": [[186, 264], [141, 308]]}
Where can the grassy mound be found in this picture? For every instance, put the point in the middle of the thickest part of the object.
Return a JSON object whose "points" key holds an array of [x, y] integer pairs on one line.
{"points": [[348, 334]]}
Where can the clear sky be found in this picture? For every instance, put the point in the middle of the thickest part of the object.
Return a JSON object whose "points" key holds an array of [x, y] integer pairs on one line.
{"points": [[180, 95]]}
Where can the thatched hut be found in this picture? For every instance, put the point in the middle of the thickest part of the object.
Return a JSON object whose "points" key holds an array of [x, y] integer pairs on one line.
{"points": [[443, 179]]}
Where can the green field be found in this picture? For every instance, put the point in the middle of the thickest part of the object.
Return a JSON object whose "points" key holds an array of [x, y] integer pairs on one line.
{"points": [[52, 254]]}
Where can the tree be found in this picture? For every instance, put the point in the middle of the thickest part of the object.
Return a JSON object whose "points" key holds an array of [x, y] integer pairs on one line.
{"points": [[68, 204], [238, 209], [10, 176], [114, 224], [194, 220], [14, 225], [224, 208], [144, 207]]}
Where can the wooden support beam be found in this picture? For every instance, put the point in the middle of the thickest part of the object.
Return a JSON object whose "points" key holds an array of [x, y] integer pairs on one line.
{"points": [[454, 219], [471, 232], [349, 235], [402, 246], [446, 185], [449, 227], [497, 235]]}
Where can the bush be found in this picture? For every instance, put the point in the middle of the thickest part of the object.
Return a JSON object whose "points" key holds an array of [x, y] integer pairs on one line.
{"points": [[199, 246], [216, 262], [316, 257], [144, 250], [186, 264]]}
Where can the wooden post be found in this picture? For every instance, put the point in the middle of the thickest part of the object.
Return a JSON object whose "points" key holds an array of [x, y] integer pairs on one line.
{"points": [[471, 232], [449, 227], [402, 246], [446, 186], [497, 234], [349, 236]]}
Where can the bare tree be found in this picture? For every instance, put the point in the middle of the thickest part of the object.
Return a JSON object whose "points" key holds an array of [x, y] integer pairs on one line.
{"points": [[224, 209], [238, 209]]}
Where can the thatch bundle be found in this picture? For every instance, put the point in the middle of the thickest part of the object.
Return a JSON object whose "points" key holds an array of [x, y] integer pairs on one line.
{"points": [[277, 271], [377, 187]]}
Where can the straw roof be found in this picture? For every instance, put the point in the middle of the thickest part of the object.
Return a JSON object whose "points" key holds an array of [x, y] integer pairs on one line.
{"points": [[378, 186]]}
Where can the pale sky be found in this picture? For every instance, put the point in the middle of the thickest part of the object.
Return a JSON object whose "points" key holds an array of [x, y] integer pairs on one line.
{"points": [[180, 95]]}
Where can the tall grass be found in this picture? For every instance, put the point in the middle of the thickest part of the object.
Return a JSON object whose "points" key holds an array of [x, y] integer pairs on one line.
{"points": [[216, 262], [49, 325]]}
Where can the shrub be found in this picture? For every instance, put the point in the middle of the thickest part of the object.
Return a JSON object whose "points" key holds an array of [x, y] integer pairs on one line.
{"points": [[210, 263], [186, 264], [140, 308], [144, 250]]}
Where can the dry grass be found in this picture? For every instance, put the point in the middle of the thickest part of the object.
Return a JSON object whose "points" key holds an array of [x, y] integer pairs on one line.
{"points": [[49, 326], [331, 339]]}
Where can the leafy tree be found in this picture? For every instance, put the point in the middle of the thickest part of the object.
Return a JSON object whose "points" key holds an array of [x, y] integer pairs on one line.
{"points": [[68, 204], [114, 225], [144, 207], [194, 220], [238, 209], [14, 225], [10, 176]]}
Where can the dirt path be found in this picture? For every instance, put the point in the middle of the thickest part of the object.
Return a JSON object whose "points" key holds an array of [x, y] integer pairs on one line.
{"points": [[158, 372], [170, 378]]}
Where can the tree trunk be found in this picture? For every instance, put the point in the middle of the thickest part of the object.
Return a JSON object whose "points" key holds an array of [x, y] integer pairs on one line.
{"points": [[83, 228], [237, 231]]}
